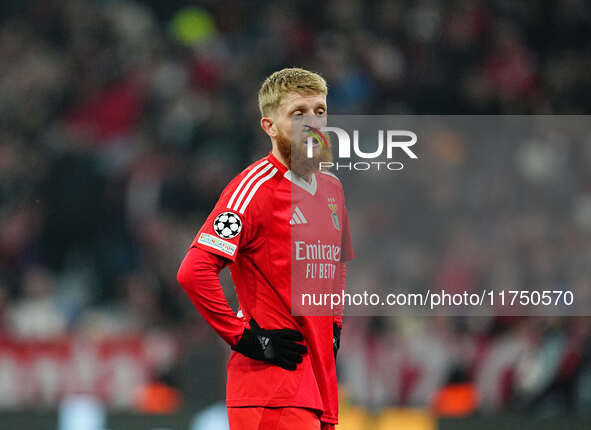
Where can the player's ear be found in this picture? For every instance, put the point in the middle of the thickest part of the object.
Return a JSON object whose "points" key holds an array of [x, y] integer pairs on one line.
{"points": [[268, 125]]}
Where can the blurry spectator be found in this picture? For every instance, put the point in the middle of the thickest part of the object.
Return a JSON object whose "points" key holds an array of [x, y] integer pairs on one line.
{"points": [[158, 397], [3, 310], [137, 311], [458, 398], [36, 314]]}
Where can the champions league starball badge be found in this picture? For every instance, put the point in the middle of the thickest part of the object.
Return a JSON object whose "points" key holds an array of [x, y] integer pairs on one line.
{"points": [[227, 225]]}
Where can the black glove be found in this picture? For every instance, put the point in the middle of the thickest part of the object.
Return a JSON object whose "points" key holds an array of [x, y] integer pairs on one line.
{"points": [[278, 347], [336, 338]]}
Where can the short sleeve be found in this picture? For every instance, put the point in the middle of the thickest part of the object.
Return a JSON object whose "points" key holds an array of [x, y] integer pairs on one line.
{"points": [[226, 231]]}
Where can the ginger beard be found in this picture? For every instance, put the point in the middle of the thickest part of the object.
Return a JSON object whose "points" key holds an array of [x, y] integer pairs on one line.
{"points": [[296, 155]]}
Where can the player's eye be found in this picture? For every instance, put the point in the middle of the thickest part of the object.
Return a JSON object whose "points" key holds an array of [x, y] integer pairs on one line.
{"points": [[297, 113], [320, 112]]}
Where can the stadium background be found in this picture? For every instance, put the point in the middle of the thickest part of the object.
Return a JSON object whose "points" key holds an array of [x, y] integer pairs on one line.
{"points": [[121, 121]]}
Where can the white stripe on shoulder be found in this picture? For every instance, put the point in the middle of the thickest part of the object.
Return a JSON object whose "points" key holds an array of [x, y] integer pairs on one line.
{"points": [[239, 187], [249, 183], [255, 188], [330, 174]]}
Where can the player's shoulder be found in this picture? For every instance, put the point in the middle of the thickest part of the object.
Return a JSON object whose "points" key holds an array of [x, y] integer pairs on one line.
{"points": [[330, 175], [329, 178], [249, 185]]}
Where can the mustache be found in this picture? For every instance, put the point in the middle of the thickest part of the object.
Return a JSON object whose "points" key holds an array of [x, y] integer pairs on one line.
{"points": [[296, 153], [317, 135]]}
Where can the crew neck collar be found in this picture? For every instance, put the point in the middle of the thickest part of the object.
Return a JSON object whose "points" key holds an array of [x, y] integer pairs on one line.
{"points": [[294, 178]]}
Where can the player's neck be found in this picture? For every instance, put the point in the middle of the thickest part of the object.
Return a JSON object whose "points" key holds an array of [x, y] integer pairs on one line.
{"points": [[277, 154]]}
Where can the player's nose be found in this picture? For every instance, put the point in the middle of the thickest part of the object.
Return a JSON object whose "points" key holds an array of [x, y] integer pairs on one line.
{"points": [[314, 121]]}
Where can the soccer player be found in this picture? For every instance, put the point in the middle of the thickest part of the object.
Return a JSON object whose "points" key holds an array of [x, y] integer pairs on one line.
{"points": [[281, 223]]}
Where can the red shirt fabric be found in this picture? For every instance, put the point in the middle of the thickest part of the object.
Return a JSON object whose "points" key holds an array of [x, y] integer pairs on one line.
{"points": [[199, 276], [275, 230], [272, 418]]}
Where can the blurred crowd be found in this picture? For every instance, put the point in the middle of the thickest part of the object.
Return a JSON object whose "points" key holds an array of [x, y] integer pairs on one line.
{"points": [[121, 121]]}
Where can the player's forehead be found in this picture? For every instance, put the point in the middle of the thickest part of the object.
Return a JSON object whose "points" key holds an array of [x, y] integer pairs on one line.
{"points": [[294, 99]]}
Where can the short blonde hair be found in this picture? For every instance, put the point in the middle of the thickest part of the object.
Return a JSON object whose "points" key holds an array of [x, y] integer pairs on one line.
{"points": [[285, 81]]}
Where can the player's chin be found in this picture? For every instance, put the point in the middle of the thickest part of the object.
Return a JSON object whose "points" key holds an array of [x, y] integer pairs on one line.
{"points": [[304, 166]]}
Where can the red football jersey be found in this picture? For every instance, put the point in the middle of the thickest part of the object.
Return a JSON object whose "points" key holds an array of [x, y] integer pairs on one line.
{"points": [[279, 230]]}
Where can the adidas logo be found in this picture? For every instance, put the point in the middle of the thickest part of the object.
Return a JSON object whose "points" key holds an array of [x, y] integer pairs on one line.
{"points": [[264, 340], [297, 217]]}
